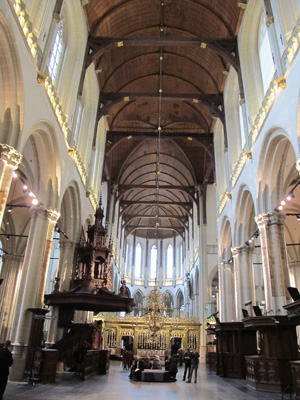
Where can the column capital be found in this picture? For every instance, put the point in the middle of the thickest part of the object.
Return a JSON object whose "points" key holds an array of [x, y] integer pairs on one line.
{"points": [[51, 215], [244, 249], [270, 218], [12, 257], [10, 155], [298, 165]]}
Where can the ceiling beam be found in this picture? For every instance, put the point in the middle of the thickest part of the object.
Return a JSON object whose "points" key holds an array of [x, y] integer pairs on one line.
{"points": [[130, 229], [113, 137], [185, 205], [154, 203], [122, 189], [96, 46], [181, 219], [212, 101]]}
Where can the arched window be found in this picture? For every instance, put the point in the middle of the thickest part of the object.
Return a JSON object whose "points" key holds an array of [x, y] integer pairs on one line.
{"points": [[78, 122], [56, 53], [169, 261], [153, 262], [265, 54], [138, 260]]}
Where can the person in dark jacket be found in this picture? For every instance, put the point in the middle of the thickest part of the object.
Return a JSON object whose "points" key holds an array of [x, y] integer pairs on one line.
{"points": [[187, 364], [136, 370], [173, 367], [194, 365], [6, 361]]}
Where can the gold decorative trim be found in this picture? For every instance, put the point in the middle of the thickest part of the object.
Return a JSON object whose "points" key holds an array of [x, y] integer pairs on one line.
{"points": [[281, 82], [41, 77]]}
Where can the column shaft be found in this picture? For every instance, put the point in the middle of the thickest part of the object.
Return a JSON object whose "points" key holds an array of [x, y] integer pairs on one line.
{"points": [[65, 266], [243, 278], [274, 258], [32, 283], [11, 271]]}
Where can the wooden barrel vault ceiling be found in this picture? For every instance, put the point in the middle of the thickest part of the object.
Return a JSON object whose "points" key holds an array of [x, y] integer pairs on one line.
{"points": [[161, 68]]}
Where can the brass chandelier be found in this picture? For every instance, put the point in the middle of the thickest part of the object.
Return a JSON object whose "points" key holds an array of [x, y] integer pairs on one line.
{"points": [[155, 312]]}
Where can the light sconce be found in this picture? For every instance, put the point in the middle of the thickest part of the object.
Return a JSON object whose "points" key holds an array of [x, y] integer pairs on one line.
{"points": [[290, 196], [298, 217], [9, 209]]}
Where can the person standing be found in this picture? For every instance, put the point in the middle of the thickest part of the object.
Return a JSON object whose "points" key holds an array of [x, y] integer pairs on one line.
{"points": [[180, 354], [173, 367], [194, 365], [6, 361], [187, 364]]}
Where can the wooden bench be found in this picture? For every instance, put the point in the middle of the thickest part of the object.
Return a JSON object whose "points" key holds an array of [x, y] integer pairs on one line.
{"points": [[155, 375]]}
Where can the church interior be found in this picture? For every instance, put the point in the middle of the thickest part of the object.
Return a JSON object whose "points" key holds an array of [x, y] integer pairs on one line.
{"points": [[149, 186]]}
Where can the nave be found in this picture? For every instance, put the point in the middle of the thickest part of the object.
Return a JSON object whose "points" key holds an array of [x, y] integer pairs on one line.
{"points": [[116, 386]]}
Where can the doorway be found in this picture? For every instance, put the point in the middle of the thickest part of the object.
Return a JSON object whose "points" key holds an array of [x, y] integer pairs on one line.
{"points": [[175, 345]]}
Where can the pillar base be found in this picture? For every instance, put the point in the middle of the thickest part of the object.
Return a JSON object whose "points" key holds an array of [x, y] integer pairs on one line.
{"points": [[18, 367], [202, 352]]}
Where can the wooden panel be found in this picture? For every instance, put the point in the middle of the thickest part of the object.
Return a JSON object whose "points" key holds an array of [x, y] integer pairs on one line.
{"points": [[269, 374]]}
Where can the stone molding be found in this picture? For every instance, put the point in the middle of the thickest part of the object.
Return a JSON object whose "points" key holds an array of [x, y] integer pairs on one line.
{"points": [[10, 156], [270, 218], [239, 250]]}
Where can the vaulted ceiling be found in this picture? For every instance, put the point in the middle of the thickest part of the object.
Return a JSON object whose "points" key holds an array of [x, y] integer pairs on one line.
{"points": [[161, 68]]}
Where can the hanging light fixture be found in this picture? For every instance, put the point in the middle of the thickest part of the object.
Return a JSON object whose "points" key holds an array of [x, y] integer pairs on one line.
{"points": [[155, 309]]}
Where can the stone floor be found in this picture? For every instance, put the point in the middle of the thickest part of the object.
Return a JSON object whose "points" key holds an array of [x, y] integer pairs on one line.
{"points": [[116, 386]]}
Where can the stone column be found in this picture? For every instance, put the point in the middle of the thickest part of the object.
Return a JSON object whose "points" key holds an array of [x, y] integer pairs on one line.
{"points": [[227, 312], [202, 283], [222, 292], [66, 262], [243, 278], [10, 159], [11, 271], [274, 258], [32, 283]]}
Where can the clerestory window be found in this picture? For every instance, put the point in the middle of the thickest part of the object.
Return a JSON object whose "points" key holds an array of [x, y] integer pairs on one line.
{"points": [[138, 260], [153, 264], [169, 261], [56, 53]]}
